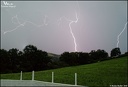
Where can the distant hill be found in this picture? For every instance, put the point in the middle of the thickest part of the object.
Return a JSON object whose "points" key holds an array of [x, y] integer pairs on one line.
{"points": [[55, 57]]}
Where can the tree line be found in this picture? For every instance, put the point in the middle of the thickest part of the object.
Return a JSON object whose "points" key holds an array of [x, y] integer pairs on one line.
{"points": [[31, 58]]}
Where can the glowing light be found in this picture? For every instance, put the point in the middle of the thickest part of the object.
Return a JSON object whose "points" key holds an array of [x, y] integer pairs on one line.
{"points": [[70, 22], [72, 32], [120, 34], [23, 24]]}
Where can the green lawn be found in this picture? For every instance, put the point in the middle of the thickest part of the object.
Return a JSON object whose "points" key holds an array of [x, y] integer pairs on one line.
{"points": [[105, 73]]}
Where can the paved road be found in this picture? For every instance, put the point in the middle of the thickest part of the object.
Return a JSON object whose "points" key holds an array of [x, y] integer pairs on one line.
{"points": [[31, 83]]}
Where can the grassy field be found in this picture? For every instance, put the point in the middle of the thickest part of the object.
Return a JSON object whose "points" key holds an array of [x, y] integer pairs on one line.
{"points": [[105, 73]]}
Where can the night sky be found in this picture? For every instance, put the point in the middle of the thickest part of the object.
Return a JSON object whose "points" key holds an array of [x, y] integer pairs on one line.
{"points": [[48, 24]]}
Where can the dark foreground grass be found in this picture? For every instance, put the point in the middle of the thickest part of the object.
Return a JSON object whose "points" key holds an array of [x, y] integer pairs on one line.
{"points": [[105, 73]]}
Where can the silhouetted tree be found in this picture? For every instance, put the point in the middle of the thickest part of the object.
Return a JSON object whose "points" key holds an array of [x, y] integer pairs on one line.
{"points": [[70, 58], [29, 57], [84, 58], [35, 59], [126, 53], [101, 54], [30, 49], [74, 59], [93, 56], [98, 55], [4, 61], [65, 57], [13, 55], [41, 60], [32, 58], [22, 61], [115, 52]]}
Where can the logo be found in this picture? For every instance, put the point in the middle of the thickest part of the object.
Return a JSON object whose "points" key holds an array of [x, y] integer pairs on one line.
{"points": [[6, 4]]}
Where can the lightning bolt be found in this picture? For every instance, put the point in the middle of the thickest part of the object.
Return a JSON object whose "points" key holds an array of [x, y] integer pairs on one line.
{"points": [[24, 23], [120, 34], [72, 32], [70, 22]]}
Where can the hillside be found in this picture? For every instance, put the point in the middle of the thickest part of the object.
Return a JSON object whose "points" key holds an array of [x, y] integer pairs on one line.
{"points": [[54, 57], [105, 73]]}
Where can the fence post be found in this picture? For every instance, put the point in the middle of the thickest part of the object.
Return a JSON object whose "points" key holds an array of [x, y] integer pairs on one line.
{"points": [[33, 75], [75, 78], [52, 77], [21, 75]]}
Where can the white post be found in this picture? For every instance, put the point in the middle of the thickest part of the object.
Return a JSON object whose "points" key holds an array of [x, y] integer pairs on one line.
{"points": [[21, 75], [75, 78], [32, 75], [52, 77]]}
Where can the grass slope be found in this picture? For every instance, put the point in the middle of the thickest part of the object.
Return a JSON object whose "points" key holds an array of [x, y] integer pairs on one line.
{"points": [[105, 73]]}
